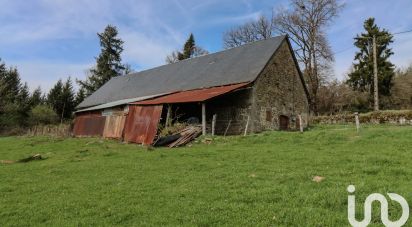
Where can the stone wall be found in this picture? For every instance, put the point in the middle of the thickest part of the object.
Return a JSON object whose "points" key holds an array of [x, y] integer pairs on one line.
{"points": [[278, 91], [232, 111]]}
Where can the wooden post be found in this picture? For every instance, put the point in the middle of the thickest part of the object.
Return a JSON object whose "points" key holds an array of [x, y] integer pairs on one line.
{"points": [[213, 124], [227, 128], [357, 121], [169, 110], [300, 123], [247, 125], [203, 118]]}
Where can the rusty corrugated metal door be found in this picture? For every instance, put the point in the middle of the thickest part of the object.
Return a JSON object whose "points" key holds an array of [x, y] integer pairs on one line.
{"points": [[89, 125], [141, 124], [114, 126]]}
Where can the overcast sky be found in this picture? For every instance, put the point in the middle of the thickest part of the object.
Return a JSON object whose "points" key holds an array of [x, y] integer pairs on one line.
{"points": [[52, 39]]}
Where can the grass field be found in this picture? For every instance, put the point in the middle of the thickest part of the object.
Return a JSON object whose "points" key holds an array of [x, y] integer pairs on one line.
{"points": [[258, 180]]}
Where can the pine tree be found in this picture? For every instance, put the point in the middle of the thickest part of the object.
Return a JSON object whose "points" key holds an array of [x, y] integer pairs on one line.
{"points": [[108, 63], [361, 78], [80, 96], [190, 50], [61, 99], [23, 100], [67, 98], [54, 97], [3, 90], [12, 85], [36, 97]]}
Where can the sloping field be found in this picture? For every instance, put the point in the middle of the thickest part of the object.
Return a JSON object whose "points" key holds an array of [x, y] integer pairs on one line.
{"points": [[258, 180]]}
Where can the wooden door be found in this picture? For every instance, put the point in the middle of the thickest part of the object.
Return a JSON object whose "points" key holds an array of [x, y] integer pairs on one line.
{"points": [[283, 122]]}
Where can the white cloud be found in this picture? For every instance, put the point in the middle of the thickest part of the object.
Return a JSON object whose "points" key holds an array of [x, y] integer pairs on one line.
{"points": [[144, 51], [45, 74]]}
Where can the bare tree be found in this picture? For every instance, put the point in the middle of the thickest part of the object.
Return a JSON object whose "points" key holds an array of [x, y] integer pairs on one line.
{"points": [[190, 50], [174, 56], [198, 51], [249, 32], [305, 23]]}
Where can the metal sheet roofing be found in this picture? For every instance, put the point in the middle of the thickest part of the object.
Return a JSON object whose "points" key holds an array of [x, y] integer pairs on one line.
{"points": [[197, 95], [118, 103], [236, 65]]}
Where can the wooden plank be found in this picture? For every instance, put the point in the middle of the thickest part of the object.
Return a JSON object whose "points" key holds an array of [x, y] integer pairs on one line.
{"points": [[168, 115], [227, 128], [247, 125]]}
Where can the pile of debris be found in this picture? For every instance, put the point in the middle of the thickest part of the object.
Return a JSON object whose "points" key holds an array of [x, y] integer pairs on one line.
{"points": [[180, 138]]}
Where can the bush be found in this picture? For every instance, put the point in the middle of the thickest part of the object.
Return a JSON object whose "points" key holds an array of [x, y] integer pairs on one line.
{"points": [[12, 116], [386, 116], [43, 114]]}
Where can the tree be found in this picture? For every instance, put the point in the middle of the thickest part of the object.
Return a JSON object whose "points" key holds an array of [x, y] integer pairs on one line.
{"points": [[80, 96], [249, 32], [361, 78], [190, 50], [43, 114], [3, 85], [36, 97], [305, 23], [67, 97], [108, 63], [54, 97], [11, 85], [128, 69], [61, 99], [14, 98], [401, 92]]}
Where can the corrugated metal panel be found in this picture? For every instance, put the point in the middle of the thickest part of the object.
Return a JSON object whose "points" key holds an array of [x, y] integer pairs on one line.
{"points": [[141, 124], [114, 126], [89, 125], [197, 95], [120, 102]]}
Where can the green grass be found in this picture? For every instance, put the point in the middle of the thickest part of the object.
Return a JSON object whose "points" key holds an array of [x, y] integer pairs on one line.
{"points": [[258, 180]]}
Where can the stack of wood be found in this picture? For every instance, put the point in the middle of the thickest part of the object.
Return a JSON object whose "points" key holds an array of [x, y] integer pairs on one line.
{"points": [[186, 135]]}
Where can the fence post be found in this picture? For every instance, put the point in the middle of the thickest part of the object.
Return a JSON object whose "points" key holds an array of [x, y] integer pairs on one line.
{"points": [[300, 123], [357, 121]]}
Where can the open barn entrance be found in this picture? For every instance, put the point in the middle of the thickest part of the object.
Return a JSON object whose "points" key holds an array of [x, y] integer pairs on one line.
{"points": [[190, 113], [283, 122]]}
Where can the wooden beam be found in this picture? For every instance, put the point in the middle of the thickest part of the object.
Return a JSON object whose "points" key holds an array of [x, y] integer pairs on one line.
{"points": [[227, 128], [203, 118], [300, 123], [247, 126], [169, 110], [213, 124]]}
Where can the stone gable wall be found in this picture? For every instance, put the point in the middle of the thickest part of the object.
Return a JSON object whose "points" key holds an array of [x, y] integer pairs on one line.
{"points": [[279, 91]]}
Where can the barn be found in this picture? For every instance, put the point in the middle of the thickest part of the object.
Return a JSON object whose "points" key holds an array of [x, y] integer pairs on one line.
{"points": [[251, 88]]}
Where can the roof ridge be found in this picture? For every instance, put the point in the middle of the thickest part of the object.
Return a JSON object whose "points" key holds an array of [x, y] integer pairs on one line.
{"points": [[233, 65], [218, 52]]}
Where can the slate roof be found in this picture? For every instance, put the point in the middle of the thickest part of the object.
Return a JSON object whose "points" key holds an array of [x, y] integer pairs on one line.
{"points": [[231, 66]]}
